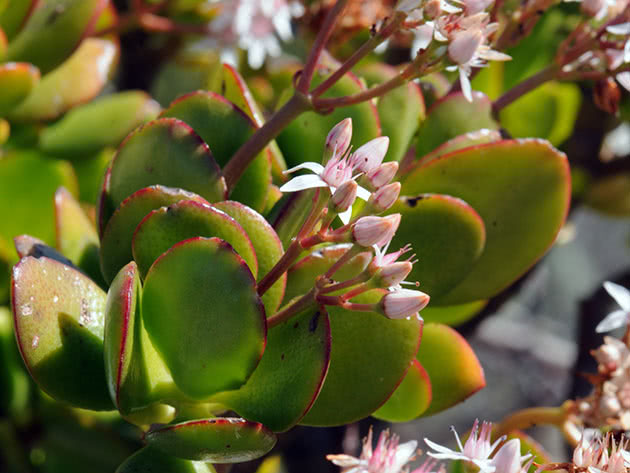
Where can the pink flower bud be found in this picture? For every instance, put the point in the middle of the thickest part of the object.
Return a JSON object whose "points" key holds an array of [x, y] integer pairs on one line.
{"points": [[370, 231], [370, 155], [508, 458], [382, 175], [593, 7], [403, 303], [609, 405], [464, 45], [338, 139], [344, 197], [385, 197], [393, 274]]}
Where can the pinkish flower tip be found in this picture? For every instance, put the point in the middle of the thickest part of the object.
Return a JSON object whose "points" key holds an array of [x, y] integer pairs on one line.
{"points": [[338, 139], [403, 303], [393, 274], [382, 175], [344, 196], [379, 231], [385, 197], [370, 155]]}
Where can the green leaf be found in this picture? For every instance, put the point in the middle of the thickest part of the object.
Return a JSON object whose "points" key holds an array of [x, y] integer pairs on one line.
{"points": [[411, 398], [610, 194], [53, 31], [286, 382], [14, 381], [167, 152], [204, 317], [225, 127], [401, 110], [58, 315], [12, 19], [302, 275], [219, 440], [17, 80], [90, 173], [117, 237], [303, 139], [149, 460], [76, 81], [370, 356], [473, 138], [453, 368], [452, 116], [521, 190], [267, 245], [453, 315], [445, 233], [166, 226], [548, 112], [87, 129]]}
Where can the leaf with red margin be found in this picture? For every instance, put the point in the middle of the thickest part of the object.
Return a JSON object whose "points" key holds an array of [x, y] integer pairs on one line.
{"points": [[411, 398], [54, 31], [203, 315], [290, 374], [17, 80], [149, 459], [12, 19], [369, 358], [166, 226], [59, 316], [520, 188], [453, 367], [219, 440]]}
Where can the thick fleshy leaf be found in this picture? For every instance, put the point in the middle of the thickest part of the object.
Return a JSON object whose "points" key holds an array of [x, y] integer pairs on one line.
{"points": [[87, 129], [303, 139], [167, 152], [267, 245], [5, 271], [117, 237], [289, 376], [12, 19], [473, 138], [186, 219], [370, 356], [453, 368], [452, 315], [59, 316], [76, 236], [411, 398], [14, 383], [302, 275], [28, 183], [26, 245], [203, 315], [401, 110], [225, 127], [53, 31], [446, 234], [76, 81], [136, 376], [148, 460], [219, 440], [90, 173], [452, 116], [290, 213], [529, 179], [17, 80]]}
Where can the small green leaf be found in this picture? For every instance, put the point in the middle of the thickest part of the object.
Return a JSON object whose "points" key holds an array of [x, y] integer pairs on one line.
{"points": [[286, 382], [87, 129], [370, 356], [118, 235], [303, 139], [76, 81], [204, 317], [220, 440], [53, 31], [166, 226], [411, 398], [59, 316], [453, 368], [17, 80], [167, 152], [151, 460], [521, 190], [267, 245], [225, 127], [452, 116], [445, 233]]}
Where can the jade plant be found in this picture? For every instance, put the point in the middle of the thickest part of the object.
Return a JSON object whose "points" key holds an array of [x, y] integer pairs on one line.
{"points": [[254, 249]]}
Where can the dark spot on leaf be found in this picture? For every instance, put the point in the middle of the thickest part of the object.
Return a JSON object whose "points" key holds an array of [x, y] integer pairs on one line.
{"points": [[282, 356], [54, 14], [312, 325], [223, 87], [296, 324], [413, 201], [494, 223], [228, 445]]}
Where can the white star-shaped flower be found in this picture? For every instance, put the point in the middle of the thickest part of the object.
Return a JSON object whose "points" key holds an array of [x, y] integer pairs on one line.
{"points": [[617, 318]]}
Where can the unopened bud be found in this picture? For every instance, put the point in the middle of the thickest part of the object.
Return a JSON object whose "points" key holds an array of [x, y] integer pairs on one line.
{"points": [[370, 231], [381, 175], [609, 405], [392, 274], [403, 303], [384, 198], [464, 45], [338, 139], [607, 95], [344, 196], [370, 155]]}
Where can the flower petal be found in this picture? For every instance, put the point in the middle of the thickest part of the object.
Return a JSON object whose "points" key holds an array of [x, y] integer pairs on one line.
{"points": [[619, 293], [403, 454], [614, 320], [311, 166], [439, 448], [299, 183], [624, 79], [465, 83], [621, 28]]}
